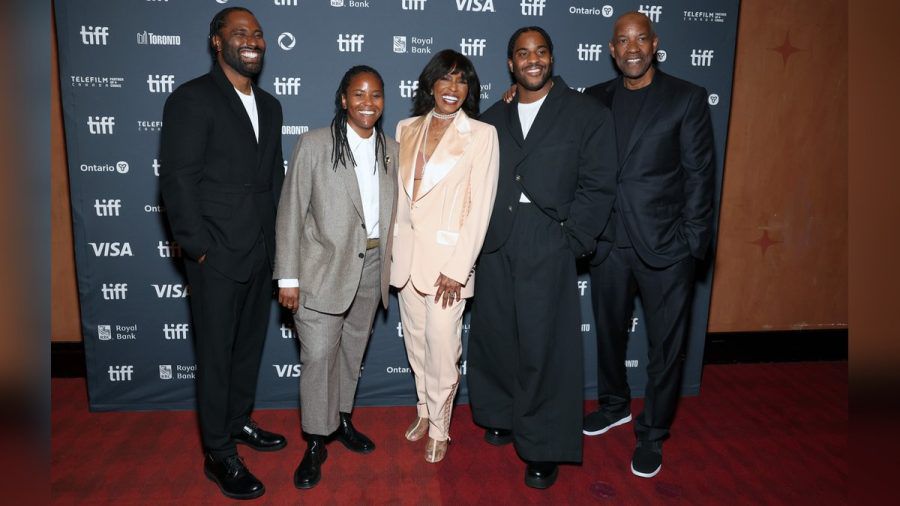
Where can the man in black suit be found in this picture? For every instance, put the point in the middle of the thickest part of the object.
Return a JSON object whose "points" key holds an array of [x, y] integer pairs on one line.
{"points": [[220, 179], [554, 195], [662, 221]]}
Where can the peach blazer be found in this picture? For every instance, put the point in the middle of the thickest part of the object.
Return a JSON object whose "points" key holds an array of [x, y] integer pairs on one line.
{"points": [[442, 231]]}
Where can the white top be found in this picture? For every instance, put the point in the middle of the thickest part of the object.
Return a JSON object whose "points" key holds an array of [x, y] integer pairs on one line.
{"points": [[527, 113], [367, 177], [249, 102]]}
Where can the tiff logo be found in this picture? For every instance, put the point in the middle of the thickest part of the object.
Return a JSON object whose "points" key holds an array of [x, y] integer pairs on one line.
{"points": [[702, 57], [168, 249], [533, 7], [120, 372], [94, 35], [475, 6], [408, 88], [651, 11], [160, 83], [287, 3], [350, 42], [287, 85], [287, 332], [101, 125], [582, 287], [107, 207], [589, 52], [155, 167], [413, 5], [175, 331], [114, 291], [472, 47], [111, 249]]}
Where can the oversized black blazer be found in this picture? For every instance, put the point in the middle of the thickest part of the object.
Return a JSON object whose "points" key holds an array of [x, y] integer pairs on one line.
{"points": [[219, 186], [567, 167], [665, 178]]}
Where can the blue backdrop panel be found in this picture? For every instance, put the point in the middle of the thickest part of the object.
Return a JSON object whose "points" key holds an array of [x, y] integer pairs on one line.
{"points": [[120, 60]]}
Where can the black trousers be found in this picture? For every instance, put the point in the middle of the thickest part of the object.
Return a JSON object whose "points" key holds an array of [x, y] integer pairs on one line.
{"points": [[525, 358], [666, 299], [230, 320]]}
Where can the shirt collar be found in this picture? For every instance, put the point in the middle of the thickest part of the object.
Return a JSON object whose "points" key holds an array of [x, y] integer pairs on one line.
{"points": [[355, 141]]}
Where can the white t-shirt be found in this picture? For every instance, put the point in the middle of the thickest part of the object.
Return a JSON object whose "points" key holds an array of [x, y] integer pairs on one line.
{"points": [[249, 102], [527, 113]]}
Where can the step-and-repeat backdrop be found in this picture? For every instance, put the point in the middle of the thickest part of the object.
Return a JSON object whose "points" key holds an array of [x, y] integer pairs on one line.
{"points": [[120, 60]]}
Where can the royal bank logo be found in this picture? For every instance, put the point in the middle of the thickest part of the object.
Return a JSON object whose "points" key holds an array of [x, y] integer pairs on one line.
{"points": [[94, 35], [120, 167], [475, 5], [337, 3], [168, 249], [651, 11], [350, 42], [165, 371], [146, 125], [533, 7], [413, 5], [154, 39], [97, 81], [399, 44], [179, 372], [101, 125], [287, 331], [661, 55], [408, 88], [485, 91], [287, 86], [713, 99], [107, 207], [155, 165], [702, 57], [705, 17], [417, 45], [287, 41], [171, 291], [364, 4], [287, 3], [111, 249], [104, 332], [120, 372], [589, 52], [114, 291], [287, 370], [472, 47], [160, 83], [175, 331], [294, 129]]}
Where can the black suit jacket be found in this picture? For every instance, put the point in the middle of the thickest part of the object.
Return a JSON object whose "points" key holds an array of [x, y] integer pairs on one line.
{"points": [[665, 179], [566, 167], [220, 187]]}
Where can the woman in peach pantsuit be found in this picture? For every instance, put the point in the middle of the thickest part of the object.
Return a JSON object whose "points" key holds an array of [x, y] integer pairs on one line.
{"points": [[449, 164]]}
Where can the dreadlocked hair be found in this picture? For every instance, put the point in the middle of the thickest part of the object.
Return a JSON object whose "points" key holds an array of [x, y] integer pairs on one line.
{"points": [[340, 147]]}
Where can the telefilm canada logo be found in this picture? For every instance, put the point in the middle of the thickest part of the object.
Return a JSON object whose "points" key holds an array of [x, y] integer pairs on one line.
{"points": [[97, 81], [705, 16], [147, 125]]}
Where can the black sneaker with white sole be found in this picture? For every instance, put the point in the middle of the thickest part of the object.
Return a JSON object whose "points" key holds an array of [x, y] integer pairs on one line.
{"points": [[600, 421], [647, 459]]}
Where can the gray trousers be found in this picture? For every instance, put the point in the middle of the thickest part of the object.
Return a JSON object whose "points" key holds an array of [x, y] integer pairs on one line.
{"points": [[331, 351]]}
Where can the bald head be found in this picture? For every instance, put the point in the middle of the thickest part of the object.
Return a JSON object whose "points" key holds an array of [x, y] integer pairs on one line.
{"points": [[633, 17], [633, 47]]}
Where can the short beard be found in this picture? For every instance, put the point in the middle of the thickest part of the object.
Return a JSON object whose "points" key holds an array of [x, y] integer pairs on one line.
{"points": [[233, 59], [543, 82]]}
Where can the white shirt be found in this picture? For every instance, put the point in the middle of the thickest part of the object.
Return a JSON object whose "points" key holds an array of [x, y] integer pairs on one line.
{"points": [[249, 102], [367, 177], [527, 113]]}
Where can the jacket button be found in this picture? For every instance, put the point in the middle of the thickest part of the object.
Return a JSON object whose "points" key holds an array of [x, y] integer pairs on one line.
{"points": [[362, 255], [510, 208], [363, 225]]}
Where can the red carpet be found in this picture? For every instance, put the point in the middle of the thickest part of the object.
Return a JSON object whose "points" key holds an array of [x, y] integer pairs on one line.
{"points": [[757, 434]]}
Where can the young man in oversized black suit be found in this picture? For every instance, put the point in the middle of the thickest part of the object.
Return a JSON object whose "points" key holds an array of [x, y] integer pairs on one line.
{"points": [[555, 192], [662, 222], [221, 176]]}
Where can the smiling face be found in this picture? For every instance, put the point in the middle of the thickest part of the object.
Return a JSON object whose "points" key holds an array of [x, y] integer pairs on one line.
{"points": [[633, 47], [240, 44], [364, 102], [532, 62], [450, 92]]}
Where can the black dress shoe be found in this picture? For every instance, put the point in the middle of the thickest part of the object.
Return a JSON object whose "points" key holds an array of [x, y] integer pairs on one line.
{"points": [[258, 439], [498, 437], [354, 440], [309, 472], [232, 477], [541, 474]]}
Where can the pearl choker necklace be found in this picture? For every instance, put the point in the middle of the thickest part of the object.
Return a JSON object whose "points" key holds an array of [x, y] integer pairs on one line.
{"points": [[438, 115]]}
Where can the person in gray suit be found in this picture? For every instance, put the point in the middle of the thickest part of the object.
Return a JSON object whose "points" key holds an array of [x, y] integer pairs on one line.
{"points": [[332, 258]]}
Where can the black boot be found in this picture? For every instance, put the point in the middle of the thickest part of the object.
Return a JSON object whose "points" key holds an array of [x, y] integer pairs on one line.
{"points": [[354, 440], [541, 474], [309, 472], [232, 477]]}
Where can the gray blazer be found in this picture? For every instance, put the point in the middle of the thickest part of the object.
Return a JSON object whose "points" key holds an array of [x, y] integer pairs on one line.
{"points": [[320, 235]]}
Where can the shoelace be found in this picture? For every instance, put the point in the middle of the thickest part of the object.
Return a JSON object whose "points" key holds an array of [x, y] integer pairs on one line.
{"points": [[234, 464]]}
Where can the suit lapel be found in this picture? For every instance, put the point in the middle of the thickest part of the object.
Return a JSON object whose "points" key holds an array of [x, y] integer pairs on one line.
{"points": [[235, 104], [546, 115], [449, 150], [386, 197], [347, 173], [264, 117], [656, 97], [410, 139]]}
